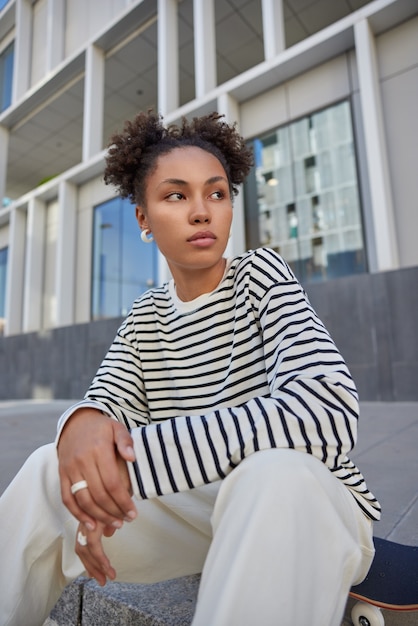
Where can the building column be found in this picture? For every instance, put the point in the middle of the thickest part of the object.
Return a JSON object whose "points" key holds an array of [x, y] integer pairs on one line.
{"points": [[168, 78], [168, 57], [4, 150], [204, 46], [93, 102], [273, 28], [228, 106], [15, 272], [55, 33], [23, 39], [34, 266], [376, 149], [66, 250]]}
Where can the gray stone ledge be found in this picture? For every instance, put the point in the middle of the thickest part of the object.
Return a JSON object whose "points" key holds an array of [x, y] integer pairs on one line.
{"points": [[168, 603]]}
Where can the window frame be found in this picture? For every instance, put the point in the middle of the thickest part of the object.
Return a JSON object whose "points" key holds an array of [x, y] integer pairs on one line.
{"points": [[6, 75]]}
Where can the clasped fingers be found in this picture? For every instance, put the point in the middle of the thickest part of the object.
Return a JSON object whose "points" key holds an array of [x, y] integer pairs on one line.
{"points": [[89, 549], [95, 484], [97, 500]]}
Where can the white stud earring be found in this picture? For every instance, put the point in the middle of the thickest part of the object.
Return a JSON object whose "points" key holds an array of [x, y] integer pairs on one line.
{"points": [[144, 237]]}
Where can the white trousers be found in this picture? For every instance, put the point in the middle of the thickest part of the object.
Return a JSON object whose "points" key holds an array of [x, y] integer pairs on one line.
{"points": [[279, 542]]}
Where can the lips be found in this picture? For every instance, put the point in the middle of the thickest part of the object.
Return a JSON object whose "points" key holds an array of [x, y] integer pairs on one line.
{"points": [[206, 234]]}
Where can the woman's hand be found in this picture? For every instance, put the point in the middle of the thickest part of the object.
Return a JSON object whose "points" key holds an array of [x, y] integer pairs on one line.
{"points": [[95, 448], [89, 549]]}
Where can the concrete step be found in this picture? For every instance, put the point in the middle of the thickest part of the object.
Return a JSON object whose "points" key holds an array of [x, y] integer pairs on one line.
{"points": [[168, 603]]}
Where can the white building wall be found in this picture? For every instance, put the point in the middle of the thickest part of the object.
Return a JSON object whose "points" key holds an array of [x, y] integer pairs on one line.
{"points": [[49, 300], [398, 67], [66, 253], [85, 19], [39, 38], [34, 265]]}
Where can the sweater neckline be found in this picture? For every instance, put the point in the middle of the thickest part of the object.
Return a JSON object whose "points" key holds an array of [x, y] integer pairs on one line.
{"points": [[192, 305]]}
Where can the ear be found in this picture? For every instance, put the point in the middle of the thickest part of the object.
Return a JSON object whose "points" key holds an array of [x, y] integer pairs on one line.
{"points": [[141, 218]]}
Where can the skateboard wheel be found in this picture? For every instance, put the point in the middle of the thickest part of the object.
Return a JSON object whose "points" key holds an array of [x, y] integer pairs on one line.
{"points": [[364, 614]]}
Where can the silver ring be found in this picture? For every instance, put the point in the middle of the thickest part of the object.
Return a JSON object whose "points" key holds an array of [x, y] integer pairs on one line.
{"points": [[82, 484], [82, 539]]}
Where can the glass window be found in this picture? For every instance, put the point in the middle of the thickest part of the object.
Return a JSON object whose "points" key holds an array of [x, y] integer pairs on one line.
{"points": [[123, 267], [302, 198], [3, 4], [3, 272], [6, 76]]}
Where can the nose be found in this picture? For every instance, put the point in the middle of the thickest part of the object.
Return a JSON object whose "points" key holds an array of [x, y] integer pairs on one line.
{"points": [[199, 213], [201, 219]]}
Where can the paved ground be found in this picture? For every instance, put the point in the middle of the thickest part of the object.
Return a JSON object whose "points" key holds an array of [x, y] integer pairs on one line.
{"points": [[24, 426], [387, 454]]}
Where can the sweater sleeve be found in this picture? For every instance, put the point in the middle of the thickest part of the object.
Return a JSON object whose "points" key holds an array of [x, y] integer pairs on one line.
{"points": [[312, 405]]}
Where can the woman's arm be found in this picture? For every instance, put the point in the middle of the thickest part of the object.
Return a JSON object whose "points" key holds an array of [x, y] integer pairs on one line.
{"points": [[93, 438]]}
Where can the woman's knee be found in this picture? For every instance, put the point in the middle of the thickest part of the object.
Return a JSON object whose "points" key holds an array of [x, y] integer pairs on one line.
{"points": [[279, 466], [42, 466], [45, 455]]}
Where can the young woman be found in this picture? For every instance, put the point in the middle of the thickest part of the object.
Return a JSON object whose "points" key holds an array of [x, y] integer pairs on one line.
{"points": [[214, 437]]}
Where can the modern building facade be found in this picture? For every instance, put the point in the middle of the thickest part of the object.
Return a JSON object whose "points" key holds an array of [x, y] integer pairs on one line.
{"points": [[326, 91]]}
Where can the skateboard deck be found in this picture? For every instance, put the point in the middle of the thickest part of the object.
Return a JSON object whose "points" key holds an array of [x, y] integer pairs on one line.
{"points": [[392, 583]]}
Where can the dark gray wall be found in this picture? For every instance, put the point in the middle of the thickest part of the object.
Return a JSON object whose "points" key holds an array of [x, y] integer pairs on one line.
{"points": [[373, 319], [61, 362]]}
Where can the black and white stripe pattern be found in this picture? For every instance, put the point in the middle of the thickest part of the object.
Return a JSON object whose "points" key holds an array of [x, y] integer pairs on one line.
{"points": [[251, 367]]}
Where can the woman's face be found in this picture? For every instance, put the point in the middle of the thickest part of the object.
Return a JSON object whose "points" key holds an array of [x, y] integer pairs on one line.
{"points": [[188, 209]]}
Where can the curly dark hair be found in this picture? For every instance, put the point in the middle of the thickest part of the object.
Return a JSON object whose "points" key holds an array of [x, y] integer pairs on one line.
{"points": [[133, 153]]}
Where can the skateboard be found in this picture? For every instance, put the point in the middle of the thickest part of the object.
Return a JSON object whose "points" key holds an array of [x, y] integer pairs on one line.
{"points": [[392, 583]]}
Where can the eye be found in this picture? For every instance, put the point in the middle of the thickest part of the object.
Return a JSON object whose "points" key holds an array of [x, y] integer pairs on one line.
{"points": [[217, 195], [175, 196]]}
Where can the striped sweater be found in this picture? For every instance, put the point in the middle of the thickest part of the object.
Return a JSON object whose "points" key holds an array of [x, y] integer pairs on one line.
{"points": [[203, 384]]}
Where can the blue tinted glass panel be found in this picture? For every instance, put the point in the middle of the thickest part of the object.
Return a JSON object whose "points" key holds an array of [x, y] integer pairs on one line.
{"points": [[123, 267], [6, 77], [3, 272], [106, 255], [303, 199]]}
